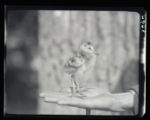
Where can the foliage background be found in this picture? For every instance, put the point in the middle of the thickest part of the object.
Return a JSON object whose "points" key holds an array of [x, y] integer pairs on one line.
{"points": [[40, 42]]}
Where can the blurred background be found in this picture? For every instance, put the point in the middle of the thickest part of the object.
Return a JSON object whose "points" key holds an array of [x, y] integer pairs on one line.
{"points": [[40, 42]]}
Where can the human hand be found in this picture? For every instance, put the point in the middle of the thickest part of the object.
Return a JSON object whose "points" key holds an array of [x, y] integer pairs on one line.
{"points": [[87, 98]]}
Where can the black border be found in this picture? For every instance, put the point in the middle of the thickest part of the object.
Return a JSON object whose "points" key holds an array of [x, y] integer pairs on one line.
{"points": [[22, 5]]}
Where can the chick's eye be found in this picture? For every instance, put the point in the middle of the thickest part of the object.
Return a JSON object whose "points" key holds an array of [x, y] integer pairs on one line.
{"points": [[88, 43], [72, 60], [90, 48]]}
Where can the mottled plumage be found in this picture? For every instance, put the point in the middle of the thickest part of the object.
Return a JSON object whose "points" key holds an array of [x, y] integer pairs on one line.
{"points": [[81, 62]]}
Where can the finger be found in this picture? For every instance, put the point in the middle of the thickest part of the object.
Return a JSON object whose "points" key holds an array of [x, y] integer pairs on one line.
{"points": [[51, 94], [75, 102], [90, 94], [58, 96], [52, 99], [42, 94], [65, 89]]}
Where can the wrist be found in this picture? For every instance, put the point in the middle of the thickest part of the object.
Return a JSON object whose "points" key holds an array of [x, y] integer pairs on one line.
{"points": [[122, 102]]}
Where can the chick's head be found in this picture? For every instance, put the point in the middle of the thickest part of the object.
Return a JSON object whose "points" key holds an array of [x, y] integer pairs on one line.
{"points": [[76, 61], [87, 47]]}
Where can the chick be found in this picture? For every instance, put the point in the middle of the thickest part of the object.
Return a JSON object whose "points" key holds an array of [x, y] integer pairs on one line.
{"points": [[81, 62]]}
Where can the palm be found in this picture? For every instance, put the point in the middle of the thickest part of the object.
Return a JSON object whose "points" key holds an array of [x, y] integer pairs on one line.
{"points": [[65, 97]]}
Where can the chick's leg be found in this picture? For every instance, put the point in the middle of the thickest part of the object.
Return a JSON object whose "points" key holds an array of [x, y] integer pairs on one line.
{"points": [[76, 85], [73, 87], [75, 80]]}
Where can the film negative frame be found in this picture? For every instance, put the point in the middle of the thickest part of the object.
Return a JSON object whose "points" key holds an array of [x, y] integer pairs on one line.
{"points": [[142, 58]]}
